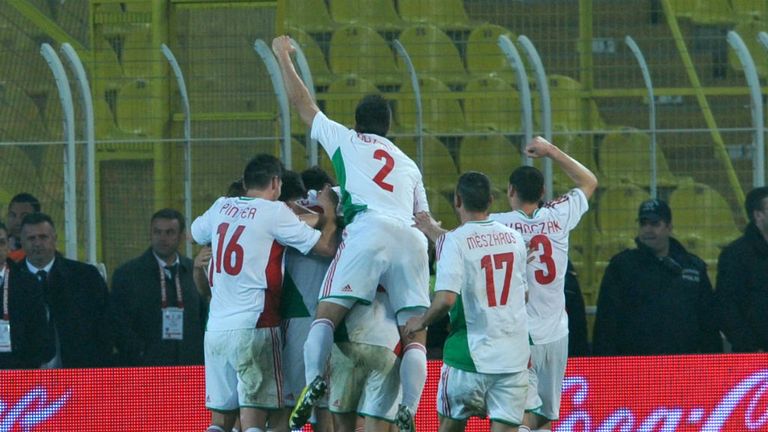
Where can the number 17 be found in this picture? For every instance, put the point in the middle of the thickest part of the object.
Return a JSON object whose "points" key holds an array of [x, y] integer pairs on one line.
{"points": [[500, 261]]}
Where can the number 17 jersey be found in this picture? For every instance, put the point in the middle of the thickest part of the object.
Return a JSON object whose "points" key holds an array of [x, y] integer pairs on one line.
{"points": [[546, 234], [248, 238]]}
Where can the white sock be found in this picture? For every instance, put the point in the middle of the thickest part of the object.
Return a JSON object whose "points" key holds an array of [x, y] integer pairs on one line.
{"points": [[214, 428], [523, 428], [317, 348], [413, 374], [254, 429]]}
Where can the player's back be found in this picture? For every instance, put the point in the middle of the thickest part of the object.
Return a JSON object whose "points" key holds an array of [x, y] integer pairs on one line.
{"points": [[373, 173], [546, 235], [485, 263]]}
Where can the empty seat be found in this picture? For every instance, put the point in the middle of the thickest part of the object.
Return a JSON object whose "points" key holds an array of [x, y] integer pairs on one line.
{"points": [[625, 156], [493, 155], [441, 110], [378, 14], [748, 31], [20, 118], [446, 14], [137, 111], [577, 147], [484, 55], [749, 9], [321, 75], [309, 15], [617, 212], [137, 54], [441, 207], [683, 8], [434, 53], [699, 211], [491, 103], [438, 168], [357, 49], [713, 12], [567, 109], [342, 98]]}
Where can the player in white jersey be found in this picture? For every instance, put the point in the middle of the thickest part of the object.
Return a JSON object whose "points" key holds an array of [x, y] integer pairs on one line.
{"points": [[248, 236], [481, 280], [381, 191], [545, 229]]}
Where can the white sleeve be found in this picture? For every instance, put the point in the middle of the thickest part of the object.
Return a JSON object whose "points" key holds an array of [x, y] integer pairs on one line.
{"points": [[201, 229], [328, 133], [420, 203], [450, 265], [569, 208], [290, 231]]}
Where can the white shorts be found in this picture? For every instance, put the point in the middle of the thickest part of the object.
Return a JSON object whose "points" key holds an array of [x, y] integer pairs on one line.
{"points": [[365, 379], [462, 394], [380, 249], [545, 378], [296, 331], [243, 369]]}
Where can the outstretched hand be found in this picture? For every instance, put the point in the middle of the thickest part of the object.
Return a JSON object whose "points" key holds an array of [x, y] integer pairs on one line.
{"points": [[414, 325], [424, 222], [282, 44], [538, 147]]}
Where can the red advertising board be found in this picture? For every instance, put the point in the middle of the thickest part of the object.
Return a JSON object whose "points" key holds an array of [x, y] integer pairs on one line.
{"points": [[676, 393]]}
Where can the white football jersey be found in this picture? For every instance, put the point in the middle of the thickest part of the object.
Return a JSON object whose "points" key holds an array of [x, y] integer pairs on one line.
{"points": [[484, 262], [372, 172], [248, 238], [546, 234]]}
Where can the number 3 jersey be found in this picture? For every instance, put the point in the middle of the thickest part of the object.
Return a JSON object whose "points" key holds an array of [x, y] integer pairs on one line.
{"points": [[484, 262], [372, 172], [546, 234], [248, 237]]}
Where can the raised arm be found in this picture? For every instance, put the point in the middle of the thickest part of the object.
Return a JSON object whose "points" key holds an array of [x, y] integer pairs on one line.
{"points": [[581, 175], [298, 94]]}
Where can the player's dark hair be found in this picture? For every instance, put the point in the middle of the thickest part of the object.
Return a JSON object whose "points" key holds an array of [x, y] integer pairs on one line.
{"points": [[37, 218], [373, 115], [235, 189], [26, 197], [528, 182], [754, 201], [315, 178], [170, 214], [261, 170], [293, 187], [474, 188]]}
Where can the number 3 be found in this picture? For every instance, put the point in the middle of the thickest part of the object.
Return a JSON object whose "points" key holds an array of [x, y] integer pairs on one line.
{"points": [[389, 165], [545, 258]]}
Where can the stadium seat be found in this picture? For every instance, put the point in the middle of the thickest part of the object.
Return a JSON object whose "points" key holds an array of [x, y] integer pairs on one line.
{"points": [[748, 30], [378, 14], [491, 103], [683, 8], [441, 207], [442, 113], [565, 93], [298, 155], [484, 55], [749, 9], [438, 168], [625, 156], [713, 12], [434, 53], [18, 171], [137, 53], [342, 98], [321, 75], [617, 213], [578, 147], [446, 14], [491, 154], [360, 50], [309, 15], [136, 109], [698, 211], [20, 118]]}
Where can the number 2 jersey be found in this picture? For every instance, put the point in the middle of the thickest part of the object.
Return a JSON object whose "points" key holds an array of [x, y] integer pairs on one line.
{"points": [[248, 238], [484, 262], [372, 172], [546, 234]]}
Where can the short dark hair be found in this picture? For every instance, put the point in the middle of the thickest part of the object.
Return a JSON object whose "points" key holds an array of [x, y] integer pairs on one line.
{"points": [[754, 201], [37, 218], [474, 188], [170, 214], [373, 115], [293, 187], [260, 171], [315, 178], [528, 182], [26, 197]]}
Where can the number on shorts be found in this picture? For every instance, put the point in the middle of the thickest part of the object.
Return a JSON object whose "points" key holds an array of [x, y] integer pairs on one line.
{"points": [[544, 277], [233, 252], [389, 165], [504, 261]]}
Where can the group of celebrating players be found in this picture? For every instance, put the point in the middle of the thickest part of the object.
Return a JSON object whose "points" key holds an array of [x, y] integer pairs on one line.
{"points": [[499, 275]]}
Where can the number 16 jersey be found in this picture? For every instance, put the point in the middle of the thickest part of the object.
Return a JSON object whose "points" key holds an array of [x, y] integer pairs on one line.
{"points": [[248, 238]]}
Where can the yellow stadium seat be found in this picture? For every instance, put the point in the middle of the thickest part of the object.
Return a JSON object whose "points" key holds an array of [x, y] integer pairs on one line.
{"points": [[360, 50], [491, 103], [442, 113], [446, 14], [18, 171], [617, 212], [493, 155], [20, 118], [700, 211], [565, 93], [342, 98], [484, 55], [321, 75], [378, 14], [438, 169], [749, 9], [298, 155], [748, 30], [575, 146], [625, 156], [434, 53], [441, 207], [136, 110], [713, 12], [683, 8], [138, 54], [309, 15]]}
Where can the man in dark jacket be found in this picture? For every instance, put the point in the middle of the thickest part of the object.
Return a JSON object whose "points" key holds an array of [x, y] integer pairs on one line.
{"points": [[24, 340], [159, 317], [657, 298], [741, 297], [75, 298]]}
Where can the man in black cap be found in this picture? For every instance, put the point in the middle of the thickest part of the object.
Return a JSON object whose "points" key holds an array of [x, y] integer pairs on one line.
{"points": [[656, 298]]}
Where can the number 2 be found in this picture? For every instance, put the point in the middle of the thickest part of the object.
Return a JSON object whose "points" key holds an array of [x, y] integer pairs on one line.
{"points": [[545, 257], [499, 261], [389, 165]]}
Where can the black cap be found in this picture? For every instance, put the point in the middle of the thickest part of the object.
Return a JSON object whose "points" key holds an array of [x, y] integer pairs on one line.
{"points": [[654, 210]]}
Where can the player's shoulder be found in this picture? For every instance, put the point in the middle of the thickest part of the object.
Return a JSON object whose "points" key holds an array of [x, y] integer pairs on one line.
{"points": [[571, 197]]}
